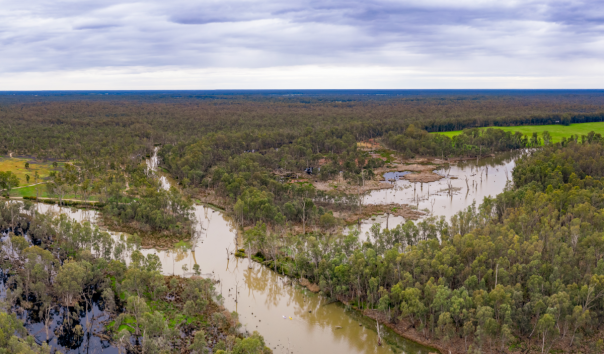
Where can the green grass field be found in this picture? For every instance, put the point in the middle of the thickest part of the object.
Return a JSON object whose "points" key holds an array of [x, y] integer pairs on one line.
{"points": [[557, 131], [30, 191], [17, 166]]}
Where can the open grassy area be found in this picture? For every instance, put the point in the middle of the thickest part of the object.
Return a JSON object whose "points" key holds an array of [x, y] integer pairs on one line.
{"points": [[30, 191], [17, 166], [557, 131]]}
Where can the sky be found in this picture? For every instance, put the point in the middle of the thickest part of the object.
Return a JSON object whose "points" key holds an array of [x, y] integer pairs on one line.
{"points": [[294, 44]]}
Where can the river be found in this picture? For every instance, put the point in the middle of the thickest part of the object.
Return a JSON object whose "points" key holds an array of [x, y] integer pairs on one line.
{"points": [[264, 297], [266, 301]]}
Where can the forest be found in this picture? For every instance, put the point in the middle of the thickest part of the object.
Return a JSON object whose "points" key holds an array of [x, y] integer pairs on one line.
{"points": [[70, 267], [521, 271], [241, 149]]}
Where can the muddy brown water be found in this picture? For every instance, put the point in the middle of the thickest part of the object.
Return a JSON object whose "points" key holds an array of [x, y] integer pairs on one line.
{"points": [[264, 298], [292, 319], [434, 199]]}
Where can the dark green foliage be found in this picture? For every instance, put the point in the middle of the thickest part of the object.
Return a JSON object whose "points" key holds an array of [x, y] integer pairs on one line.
{"points": [[528, 263], [471, 143]]}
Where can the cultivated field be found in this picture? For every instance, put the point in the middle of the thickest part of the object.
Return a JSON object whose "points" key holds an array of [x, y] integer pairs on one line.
{"points": [[557, 131]]}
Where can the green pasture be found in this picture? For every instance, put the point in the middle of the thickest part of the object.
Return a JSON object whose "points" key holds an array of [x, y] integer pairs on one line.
{"points": [[17, 166], [557, 131], [30, 191]]}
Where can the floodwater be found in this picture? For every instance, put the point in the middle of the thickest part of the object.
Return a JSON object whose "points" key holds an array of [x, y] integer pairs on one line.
{"points": [[291, 318], [262, 298], [435, 199], [152, 164], [63, 336]]}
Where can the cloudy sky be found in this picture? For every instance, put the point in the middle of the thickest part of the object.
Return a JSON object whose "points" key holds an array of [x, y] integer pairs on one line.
{"points": [[256, 44]]}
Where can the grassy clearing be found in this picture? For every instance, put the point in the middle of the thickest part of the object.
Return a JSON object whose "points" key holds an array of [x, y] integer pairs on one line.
{"points": [[30, 191], [557, 131], [17, 166]]}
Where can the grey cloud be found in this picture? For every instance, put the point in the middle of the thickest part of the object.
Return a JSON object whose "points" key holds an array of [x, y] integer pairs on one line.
{"points": [[94, 27], [70, 35]]}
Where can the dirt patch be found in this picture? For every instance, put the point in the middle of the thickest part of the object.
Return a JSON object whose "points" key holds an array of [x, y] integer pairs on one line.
{"points": [[423, 177], [411, 168], [210, 198], [340, 184], [369, 145], [426, 172], [367, 211], [310, 286]]}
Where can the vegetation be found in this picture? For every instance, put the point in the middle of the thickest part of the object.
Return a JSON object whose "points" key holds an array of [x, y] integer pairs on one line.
{"points": [[37, 171], [557, 131], [524, 269], [242, 148], [75, 266], [8, 181], [470, 143]]}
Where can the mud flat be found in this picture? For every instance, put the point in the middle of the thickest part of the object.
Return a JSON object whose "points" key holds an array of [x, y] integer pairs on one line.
{"points": [[461, 184], [393, 209]]}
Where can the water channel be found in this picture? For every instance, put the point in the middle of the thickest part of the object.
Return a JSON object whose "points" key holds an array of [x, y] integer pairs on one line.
{"points": [[265, 301]]}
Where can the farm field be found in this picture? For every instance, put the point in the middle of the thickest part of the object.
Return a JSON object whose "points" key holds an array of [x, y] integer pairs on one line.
{"points": [[557, 131]]}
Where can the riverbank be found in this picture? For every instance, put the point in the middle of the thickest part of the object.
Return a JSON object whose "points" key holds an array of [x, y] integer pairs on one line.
{"points": [[404, 329]]}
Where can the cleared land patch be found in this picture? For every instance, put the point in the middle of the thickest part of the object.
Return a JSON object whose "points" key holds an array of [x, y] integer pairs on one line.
{"points": [[557, 131], [17, 166]]}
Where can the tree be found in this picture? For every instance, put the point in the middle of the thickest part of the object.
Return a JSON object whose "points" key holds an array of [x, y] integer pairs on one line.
{"points": [[547, 137], [70, 281], [122, 338], [199, 345], [545, 326], [254, 344], [8, 181], [14, 338], [137, 307]]}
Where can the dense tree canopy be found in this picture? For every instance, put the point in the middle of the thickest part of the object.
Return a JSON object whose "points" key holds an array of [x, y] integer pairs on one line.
{"points": [[525, 265]]}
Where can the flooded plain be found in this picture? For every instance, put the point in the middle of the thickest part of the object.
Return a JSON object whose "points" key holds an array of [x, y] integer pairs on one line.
{"points": [[463, 183], [291, 318]]}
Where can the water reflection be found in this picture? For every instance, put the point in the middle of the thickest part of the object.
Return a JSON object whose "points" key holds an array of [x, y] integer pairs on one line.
{"points": [[465, 182], [265, 300]]}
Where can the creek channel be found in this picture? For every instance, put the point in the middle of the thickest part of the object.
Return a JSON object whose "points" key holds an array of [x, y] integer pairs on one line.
{"points": [[291, 318]]}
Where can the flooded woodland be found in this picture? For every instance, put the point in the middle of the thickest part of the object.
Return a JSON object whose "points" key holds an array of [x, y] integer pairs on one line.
{"points": [[310, 217], [291, 318]]}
